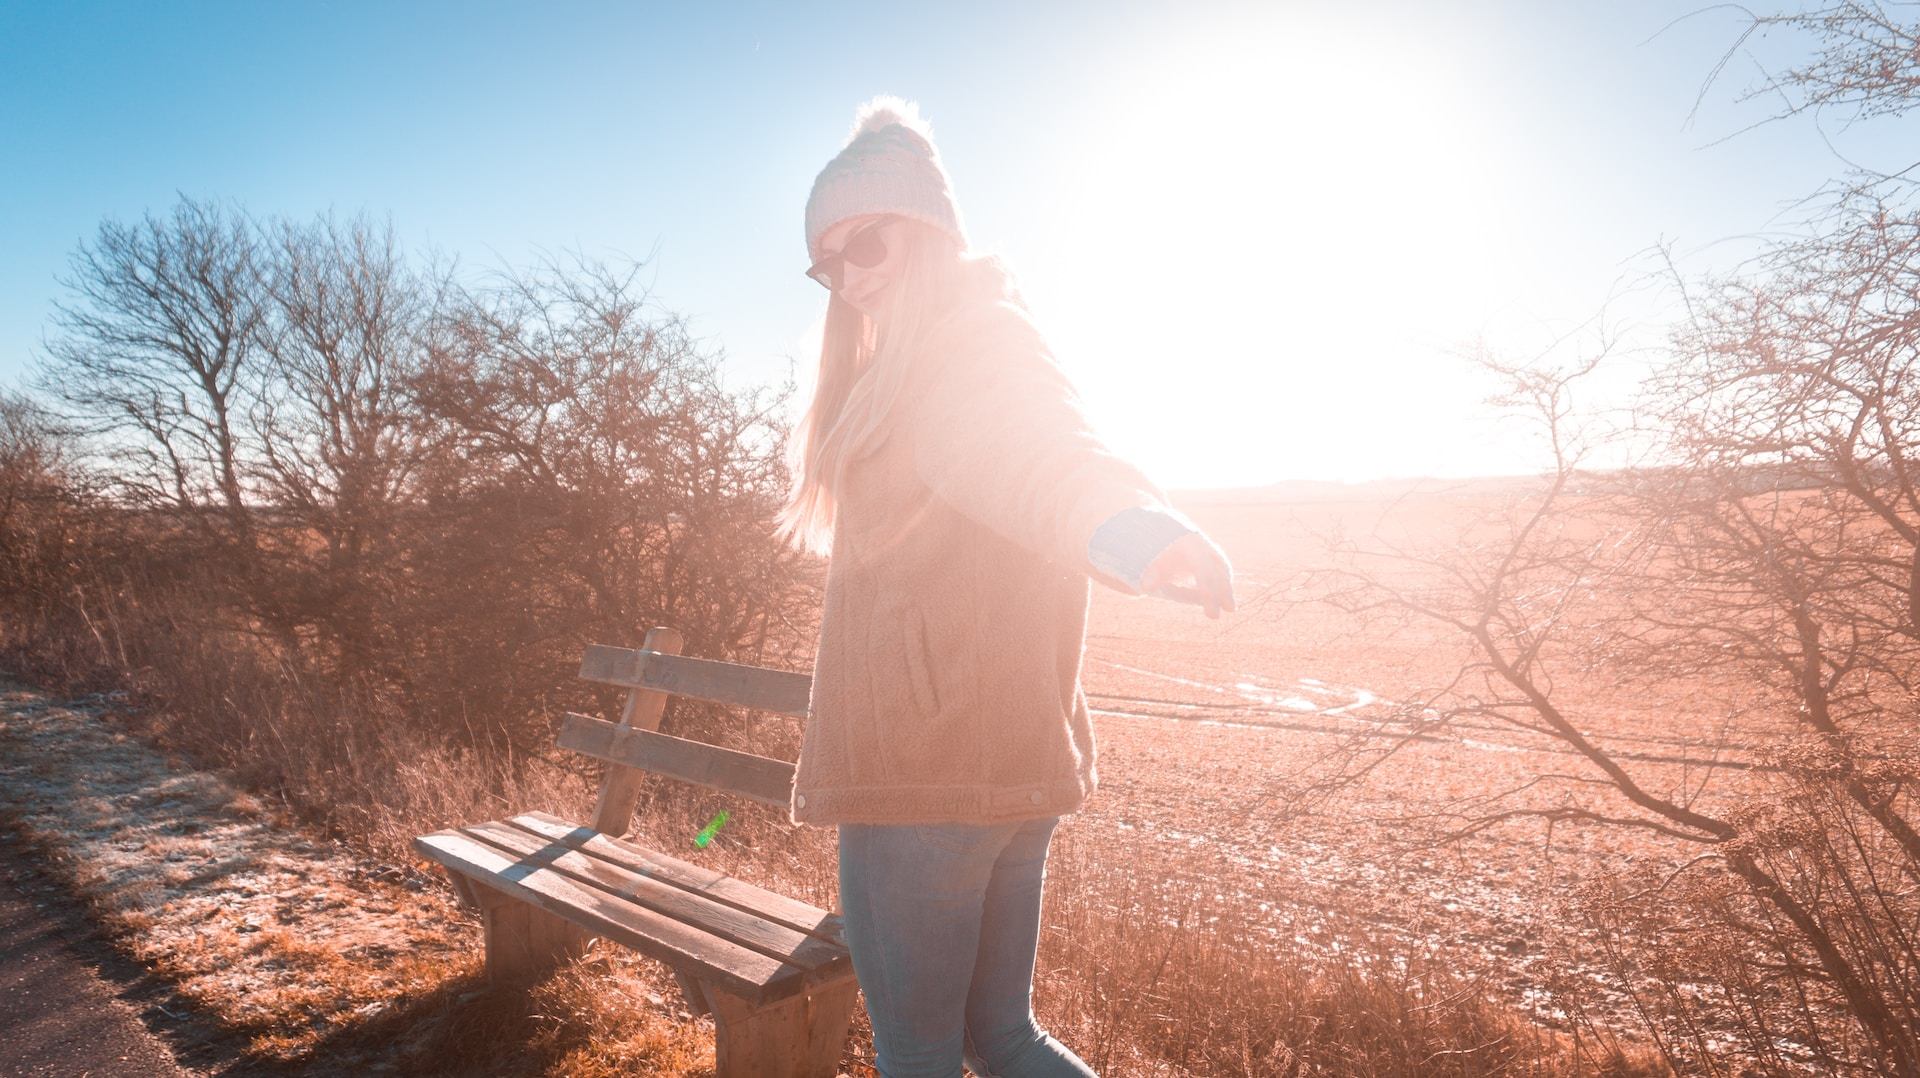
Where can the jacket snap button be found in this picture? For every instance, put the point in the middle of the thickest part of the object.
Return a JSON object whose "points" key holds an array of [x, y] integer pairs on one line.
{"points": [[1034, 797], [800, 800]]}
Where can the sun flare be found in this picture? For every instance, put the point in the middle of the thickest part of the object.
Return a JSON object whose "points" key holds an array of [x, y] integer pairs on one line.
{"points": [[1267, 248]]}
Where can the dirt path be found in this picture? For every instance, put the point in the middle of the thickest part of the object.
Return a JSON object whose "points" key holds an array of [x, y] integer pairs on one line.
{"points": [[272, 951], [72, 1006]]}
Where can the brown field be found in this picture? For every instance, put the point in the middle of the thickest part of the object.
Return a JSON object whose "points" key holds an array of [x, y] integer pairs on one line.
{"points": [[1197, 923], [1198, 721]]}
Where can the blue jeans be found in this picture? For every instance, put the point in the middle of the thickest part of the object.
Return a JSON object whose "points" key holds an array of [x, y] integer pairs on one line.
{"points": [[944, 921]]}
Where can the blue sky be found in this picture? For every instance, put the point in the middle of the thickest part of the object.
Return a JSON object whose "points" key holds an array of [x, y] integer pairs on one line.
{"points": [[1253, 232]]}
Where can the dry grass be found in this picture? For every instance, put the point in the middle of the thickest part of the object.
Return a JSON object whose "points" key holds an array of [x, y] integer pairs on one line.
{"points": [[318, 959], [1190, 928]]}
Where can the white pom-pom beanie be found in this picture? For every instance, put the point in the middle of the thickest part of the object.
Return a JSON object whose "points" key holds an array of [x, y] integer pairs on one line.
{"points": [[888, 165]]}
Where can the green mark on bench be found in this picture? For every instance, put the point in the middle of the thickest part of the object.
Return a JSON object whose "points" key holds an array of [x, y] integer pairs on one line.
{"points": [[706, 833]]}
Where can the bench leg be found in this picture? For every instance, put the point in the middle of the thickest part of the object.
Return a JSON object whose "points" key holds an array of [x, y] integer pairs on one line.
{"points": [[525, 943], [799, 1037], [695, 996], [463, 891]]}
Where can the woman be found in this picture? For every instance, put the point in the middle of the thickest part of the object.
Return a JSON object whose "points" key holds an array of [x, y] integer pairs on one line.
{"points": [[946, 466]]}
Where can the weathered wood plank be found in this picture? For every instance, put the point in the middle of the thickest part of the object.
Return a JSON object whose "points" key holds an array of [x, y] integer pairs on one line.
{"points": [[620, 787], [737, 926], [800, 1037], [758, 778], [784, 692], [738, 969], [720, 887]]}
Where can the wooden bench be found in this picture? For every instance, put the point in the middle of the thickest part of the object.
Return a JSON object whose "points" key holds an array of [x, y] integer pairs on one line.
{"points": [[774, 972]]}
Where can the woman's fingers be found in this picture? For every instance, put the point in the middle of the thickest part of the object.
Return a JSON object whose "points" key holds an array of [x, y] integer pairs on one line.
{"points": [[1212, 574], [1172, 563], [1219, 577], [1155, 576], [1207, 598], [1192, 557], [1179, 593]]}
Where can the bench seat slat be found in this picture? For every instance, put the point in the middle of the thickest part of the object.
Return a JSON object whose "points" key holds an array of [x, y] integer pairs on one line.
{"points": [[758, 778], [783, 692], [719, 887], [737, 926], [744, 972]]}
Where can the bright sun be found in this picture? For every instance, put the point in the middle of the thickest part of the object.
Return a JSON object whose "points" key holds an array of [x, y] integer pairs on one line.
{"points": [[1267, 244]]}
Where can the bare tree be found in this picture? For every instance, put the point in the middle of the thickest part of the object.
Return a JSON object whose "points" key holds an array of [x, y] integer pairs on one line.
{"points": [[156, 349], [339, 439], [1865, 60], [1863, 64], [592, 457], [1774, 544]]}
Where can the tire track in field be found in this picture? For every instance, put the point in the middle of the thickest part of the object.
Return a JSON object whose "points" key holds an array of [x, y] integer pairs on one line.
{"points": [[1247, 701]]}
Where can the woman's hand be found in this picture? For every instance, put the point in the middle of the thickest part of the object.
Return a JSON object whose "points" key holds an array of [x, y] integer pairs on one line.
{"points": [[1193, 570]]}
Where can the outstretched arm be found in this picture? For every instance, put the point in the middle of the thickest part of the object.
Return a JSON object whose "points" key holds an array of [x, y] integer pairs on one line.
{"points": [[1159, 552], [1000, 435]]}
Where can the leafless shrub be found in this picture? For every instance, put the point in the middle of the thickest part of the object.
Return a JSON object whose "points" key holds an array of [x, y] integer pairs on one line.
{"points": [[424, 496], [1775, 545], [592, 470]]}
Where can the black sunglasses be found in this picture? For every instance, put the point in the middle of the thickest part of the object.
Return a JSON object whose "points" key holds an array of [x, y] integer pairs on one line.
{"points": [[864, 248]]}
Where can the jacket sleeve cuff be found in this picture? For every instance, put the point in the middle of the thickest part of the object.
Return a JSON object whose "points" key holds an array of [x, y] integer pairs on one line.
{"points": [[1127, 542]]}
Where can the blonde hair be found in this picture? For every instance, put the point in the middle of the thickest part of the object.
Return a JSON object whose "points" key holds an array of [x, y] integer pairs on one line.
{"points": [[863, 364]]}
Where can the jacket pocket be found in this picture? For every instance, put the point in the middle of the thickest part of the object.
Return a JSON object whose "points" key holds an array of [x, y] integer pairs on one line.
{"points": [[926, 697]]}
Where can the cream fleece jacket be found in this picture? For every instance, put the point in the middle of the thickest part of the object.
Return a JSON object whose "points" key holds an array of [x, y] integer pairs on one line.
{"points": [[946, 685]]}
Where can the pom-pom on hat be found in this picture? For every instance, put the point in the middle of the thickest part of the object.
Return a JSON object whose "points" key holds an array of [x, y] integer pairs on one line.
{"points": [[888, 165]]}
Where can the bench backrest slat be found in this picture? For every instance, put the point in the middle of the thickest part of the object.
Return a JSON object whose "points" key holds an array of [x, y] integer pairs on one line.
{"points": [[620, 789], [759, 778], [783, 692]]}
